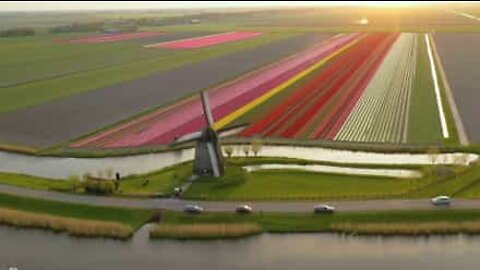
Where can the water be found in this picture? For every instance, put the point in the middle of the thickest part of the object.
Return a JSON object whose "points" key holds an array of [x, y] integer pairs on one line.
{"points": [[35, 249], [63, 167]]}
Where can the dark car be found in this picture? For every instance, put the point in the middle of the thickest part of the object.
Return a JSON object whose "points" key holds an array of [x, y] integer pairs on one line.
{"points": [[243, 209], [192, 209], [324, 209]]}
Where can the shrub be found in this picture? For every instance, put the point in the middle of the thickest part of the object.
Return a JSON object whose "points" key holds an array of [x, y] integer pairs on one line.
{"points": [[101, 187]]}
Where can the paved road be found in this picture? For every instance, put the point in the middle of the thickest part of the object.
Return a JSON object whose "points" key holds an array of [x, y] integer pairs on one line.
{"points": [[177, 205]]}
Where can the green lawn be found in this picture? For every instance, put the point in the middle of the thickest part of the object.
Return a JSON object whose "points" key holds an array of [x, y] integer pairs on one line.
{"points": [[132, 217], [296, 185], [35, 58], [161, 182], [424, 125], [32, 182], [29, 94], [315, 223]]}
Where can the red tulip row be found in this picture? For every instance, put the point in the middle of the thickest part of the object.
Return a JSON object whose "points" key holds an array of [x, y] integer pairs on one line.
{"points": [[329, 97]]}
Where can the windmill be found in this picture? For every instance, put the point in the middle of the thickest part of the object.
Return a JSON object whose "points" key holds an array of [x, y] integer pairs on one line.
{"points": [[208, 155]]}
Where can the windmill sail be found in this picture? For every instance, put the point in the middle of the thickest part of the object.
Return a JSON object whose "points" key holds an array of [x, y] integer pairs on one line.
{"points": [[207, 111], [208, 158]]}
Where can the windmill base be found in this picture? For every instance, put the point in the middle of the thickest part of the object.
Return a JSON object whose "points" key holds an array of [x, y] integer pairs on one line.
{"points": [[206, 146]]}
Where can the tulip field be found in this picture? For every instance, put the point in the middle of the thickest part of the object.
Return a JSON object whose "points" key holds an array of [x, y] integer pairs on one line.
{"points": [[162, 126], [351, 87], [205, 41]]}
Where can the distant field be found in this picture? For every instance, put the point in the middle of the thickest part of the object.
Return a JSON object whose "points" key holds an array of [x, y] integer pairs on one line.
{"points": [[27, 60]]}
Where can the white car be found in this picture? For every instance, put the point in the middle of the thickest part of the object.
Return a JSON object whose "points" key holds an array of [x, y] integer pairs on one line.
{"points": [[323, 209], [441, 201], [244, 209], [192, 209]]}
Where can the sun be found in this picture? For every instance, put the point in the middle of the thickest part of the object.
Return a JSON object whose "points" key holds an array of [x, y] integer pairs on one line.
{"points": [[364, 21]]}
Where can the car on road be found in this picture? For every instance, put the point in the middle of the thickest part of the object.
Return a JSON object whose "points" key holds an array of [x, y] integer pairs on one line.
{"points": [[441, 201], [324, 209], [243, 209], [192, 209]]}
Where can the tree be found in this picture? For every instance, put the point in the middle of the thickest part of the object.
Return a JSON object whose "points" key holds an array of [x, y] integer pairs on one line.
{"points": [[256, 146], [74, 183], [246, 149], [228, 150]]}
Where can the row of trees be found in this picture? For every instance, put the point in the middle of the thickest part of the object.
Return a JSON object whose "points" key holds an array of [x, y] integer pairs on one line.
{"points": [[77, 27], [254, 147], [17, 32]]}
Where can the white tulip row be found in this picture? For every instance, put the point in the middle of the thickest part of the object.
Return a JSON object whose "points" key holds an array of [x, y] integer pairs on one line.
{"points": [[382, 113]]}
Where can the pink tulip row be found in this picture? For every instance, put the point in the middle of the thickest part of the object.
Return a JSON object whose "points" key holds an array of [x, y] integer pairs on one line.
{"points": [[205, 41]]}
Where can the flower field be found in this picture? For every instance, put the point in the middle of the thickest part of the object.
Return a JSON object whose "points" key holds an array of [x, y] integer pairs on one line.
{"points": [[386, 99], [162, 126], [320, 107], [351, 87], [205, 41]]}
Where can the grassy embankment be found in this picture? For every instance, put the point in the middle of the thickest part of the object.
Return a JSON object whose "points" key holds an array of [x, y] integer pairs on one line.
{"points": [[36, 92], [75, 219], [297, 185], [381, 223], [159, 183], [238, 184]]}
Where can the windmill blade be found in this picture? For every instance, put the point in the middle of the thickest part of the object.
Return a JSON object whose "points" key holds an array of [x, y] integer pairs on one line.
{"points": [[213, 159], [188, 138], [225, 132], [207, 111]]}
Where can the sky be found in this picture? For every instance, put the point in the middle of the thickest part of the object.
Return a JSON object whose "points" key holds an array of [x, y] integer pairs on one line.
{"points": [[123, 5]]}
